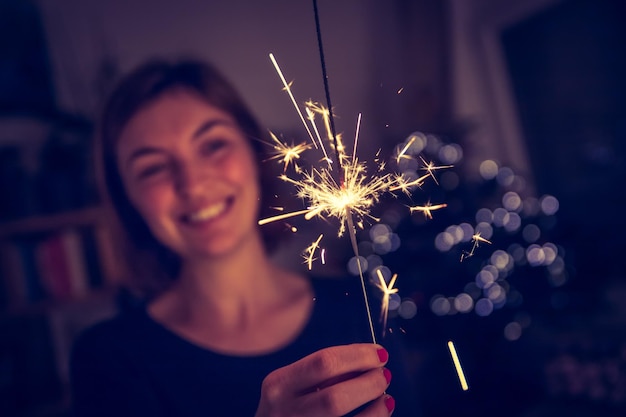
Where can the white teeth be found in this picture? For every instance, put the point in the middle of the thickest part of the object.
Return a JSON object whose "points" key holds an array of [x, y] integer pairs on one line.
{"points": [[208, 212]]}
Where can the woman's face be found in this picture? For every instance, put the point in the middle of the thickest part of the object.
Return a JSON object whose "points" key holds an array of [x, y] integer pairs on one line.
{"points": [[191, 173]]}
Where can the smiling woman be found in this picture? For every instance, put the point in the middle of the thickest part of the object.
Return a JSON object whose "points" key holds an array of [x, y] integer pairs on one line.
{"points": [[191, 174], [223, 330], [142, 141]]}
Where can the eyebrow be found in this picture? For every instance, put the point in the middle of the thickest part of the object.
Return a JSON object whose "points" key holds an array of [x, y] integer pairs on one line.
{"points": [[204, 127], [210, 124]]}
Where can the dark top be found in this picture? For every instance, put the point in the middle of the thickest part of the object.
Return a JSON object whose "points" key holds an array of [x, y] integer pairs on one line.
{"points": [[133, 366]]}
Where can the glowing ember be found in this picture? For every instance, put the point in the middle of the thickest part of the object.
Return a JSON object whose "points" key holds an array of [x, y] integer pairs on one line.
{"points": [[476, 238], [309, 252], [345, 190], [457, 365], [287, 154], [387, 290], [427, 209]]}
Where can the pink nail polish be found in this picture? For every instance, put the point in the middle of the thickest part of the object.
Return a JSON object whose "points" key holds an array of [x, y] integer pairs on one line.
{"points": [[382, 355], [387, 374], [390, 403]]}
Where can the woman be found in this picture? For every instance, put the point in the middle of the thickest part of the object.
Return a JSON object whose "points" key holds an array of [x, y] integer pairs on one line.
{"points": [[224, 331]]}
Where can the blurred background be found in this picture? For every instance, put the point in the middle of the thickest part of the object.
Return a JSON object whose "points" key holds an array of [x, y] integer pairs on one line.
{"points": [[525, 99]]}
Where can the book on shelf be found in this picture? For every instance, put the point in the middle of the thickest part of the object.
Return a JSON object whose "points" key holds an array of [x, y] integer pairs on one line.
{"points": [[76, 263], [12, 275], [33, 286], [58, 266], [52, 268], [93, 259]]}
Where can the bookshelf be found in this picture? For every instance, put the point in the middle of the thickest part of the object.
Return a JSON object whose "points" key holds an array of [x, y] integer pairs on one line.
{"points": [[55, 259], [58, 274]]}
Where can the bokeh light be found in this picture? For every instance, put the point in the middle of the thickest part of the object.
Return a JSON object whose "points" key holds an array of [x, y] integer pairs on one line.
{"points": [[463, 303], [353, 266], [484, 307], [549, 205], [531, 233], [505, 176], [407, 309], [511, 201], [440, 305], [512, 331], [488, 169], [450, 154]]}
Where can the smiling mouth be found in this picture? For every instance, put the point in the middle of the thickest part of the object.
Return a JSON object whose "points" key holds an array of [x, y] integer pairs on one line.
{"points": [[208, 213]]}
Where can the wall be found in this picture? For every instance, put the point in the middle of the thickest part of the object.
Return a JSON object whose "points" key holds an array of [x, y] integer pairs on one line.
{"points": [[482, 96], [364, 52]]}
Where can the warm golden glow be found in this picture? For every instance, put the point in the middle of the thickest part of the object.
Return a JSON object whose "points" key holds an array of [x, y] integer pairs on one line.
{"points": [[476, 239], [287, 154], [387, 290], [406, 147], [430, 167], [309, 252], [352, 192], [342, 188], [428, 209], [457, 365]]}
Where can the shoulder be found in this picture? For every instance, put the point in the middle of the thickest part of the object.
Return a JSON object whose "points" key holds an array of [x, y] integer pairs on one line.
{"points": [[111, 336], [107, 372]]}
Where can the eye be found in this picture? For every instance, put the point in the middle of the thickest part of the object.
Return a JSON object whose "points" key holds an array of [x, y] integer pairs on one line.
{"points": [[151, 170], [214, 147]]}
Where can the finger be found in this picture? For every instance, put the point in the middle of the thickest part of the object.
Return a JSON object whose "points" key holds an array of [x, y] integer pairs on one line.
{"points": [[313, 370], [383, 406], [346, 396]]}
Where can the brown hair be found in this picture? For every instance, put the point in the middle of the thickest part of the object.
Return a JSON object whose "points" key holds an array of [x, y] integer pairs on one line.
{"points": [[151, 265]]}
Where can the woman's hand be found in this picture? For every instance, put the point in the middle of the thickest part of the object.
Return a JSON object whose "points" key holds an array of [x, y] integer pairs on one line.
{"points": [[330, 382]]}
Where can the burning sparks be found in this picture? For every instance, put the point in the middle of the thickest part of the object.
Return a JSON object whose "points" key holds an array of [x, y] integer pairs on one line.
{"points": [[287, 154], [476, 239], [428, 209], [309, 252], [353, 193], [457, 365], [355, 196], [342, 189], [431, 168], [387, 290], [402, 153]]}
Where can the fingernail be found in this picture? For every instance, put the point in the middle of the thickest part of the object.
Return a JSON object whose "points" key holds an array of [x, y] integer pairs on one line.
{"points": [[382, 355], [387, 374], [390, 403]]}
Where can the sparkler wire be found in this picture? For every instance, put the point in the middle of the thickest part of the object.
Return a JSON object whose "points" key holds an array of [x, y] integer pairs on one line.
{"points": [[349, 220], [320, 47]]}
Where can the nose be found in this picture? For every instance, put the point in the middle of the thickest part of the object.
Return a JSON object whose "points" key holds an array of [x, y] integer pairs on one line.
{"points": [[191, 180]]}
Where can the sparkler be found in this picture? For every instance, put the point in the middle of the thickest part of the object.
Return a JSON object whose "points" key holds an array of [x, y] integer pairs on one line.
{"points": [[348, 198], [343, 190]]}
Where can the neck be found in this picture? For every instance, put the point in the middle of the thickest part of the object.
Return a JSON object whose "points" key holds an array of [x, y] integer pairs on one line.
{"points": [[231, 289], [239, 303]]}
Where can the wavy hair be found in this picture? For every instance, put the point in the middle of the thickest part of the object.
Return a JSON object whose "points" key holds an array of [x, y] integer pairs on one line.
{"points": [[152, 266]]}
